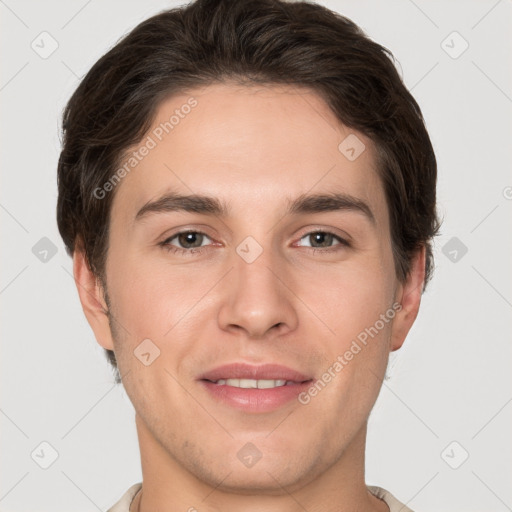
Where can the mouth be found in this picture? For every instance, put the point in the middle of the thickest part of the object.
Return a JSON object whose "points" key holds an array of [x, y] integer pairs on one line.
{"points": [[254, 389]]}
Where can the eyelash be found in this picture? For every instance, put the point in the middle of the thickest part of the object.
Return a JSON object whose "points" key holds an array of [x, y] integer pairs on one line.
{"points": [[194, 250]]}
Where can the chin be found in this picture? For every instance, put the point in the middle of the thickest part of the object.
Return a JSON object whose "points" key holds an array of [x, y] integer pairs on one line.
{"points": [[258, 482]]}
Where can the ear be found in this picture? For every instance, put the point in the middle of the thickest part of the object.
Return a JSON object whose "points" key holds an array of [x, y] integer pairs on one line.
{"points": [[92, 298], [408, 294]]}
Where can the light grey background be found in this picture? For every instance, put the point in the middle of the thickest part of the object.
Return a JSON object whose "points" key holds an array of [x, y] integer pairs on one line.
{"points": [[451, 380]]}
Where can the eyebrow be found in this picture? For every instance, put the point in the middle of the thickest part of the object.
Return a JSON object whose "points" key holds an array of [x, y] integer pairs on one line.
{"points": [[208, 205]]}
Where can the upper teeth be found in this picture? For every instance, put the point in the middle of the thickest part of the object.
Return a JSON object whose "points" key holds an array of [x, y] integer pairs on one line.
{"points": [[252, 383]]}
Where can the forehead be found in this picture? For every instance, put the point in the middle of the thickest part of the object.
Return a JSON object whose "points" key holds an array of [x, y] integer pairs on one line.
{"points": [[250, 146]]}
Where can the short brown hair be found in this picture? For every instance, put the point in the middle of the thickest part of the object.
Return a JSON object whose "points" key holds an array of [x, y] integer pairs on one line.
{"points": [[245, 41]]}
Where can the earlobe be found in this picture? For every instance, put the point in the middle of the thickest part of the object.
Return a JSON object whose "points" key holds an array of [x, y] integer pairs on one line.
{"points": [[409, 296], [91, 294]]}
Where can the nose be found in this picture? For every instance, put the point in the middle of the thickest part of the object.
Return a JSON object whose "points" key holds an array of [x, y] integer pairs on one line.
{"points": [[257, 299]]}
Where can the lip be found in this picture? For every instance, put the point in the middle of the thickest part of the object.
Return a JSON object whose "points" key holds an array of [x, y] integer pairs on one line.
{"points": [[247, 371], [254, 400]]}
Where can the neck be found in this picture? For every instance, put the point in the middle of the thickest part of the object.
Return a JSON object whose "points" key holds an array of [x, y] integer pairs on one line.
{"points": [[167, 485]]}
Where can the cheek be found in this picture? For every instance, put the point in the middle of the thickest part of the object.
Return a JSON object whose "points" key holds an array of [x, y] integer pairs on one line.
{"points": [[149, 299], [161, 302], [354, 298], [360, 312]]}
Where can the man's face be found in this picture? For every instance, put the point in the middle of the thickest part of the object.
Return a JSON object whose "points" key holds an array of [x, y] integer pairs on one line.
{"points": [[254, 286]]}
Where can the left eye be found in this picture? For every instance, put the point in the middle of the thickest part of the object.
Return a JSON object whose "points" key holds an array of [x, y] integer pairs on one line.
{"points": [[323, 238], [187, 240]]}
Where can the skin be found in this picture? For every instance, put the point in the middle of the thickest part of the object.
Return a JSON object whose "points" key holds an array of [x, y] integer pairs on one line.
{"points": [[253, 147]]}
